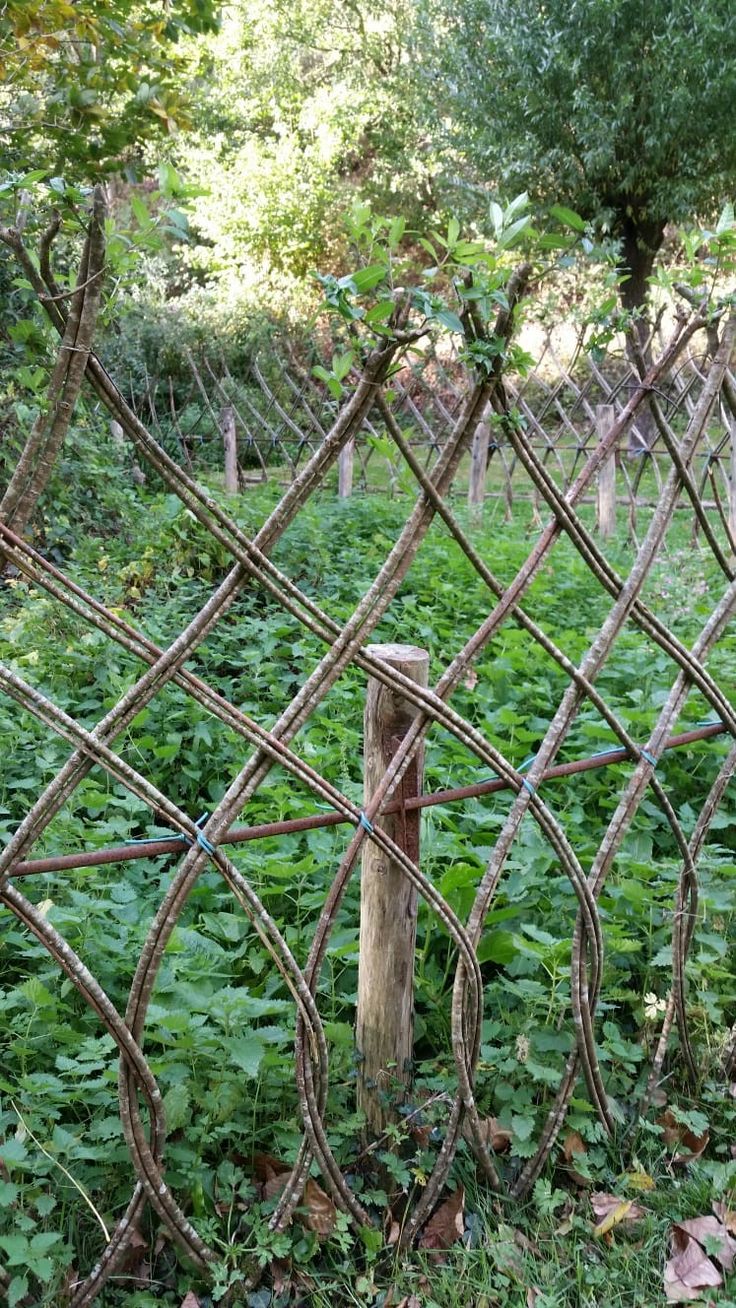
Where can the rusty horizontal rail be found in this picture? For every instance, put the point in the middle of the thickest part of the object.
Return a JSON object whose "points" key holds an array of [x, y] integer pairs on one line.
{"points": [[291, 826]]}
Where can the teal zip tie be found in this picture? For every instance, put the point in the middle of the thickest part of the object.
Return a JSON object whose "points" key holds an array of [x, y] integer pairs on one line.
{"points": [[365, 823], [201, 838], [526, 783], [154, 840], [526, 763], [710, 722], [649, 757], [615, 749]]}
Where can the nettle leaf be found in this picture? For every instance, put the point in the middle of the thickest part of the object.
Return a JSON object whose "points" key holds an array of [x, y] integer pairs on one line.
{"points": [[496, 947], [522, 1127], [17, 1290], [176, 1106], [246, 1052]]}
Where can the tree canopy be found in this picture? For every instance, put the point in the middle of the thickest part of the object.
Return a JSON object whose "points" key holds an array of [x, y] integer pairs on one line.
{"points": [[622, 109], [83, 84]]}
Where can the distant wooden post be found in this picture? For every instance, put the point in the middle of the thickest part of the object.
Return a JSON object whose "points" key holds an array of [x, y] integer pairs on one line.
{"points": [[479, 466], [388, 902], [605, 415], [345, 470], [229, 441]]}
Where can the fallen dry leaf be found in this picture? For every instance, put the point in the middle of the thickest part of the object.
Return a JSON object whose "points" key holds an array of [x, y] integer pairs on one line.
{"points": [[447, 1224], [574, 1146], [190, 1300], [316, 1210], [495, 1137], [532, 1295], [321, 1214], [676, 1133], [612, 1211], [470, 680], [700, 1228], [689, 1270], [726, 1215]]}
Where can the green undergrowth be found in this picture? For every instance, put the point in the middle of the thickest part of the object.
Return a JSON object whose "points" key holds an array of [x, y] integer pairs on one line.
{"points": [[220, 1030]]}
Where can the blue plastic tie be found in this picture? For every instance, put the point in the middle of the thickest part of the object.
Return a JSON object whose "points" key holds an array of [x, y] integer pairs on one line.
{"points": [[155, 840], [615, 749], [526, 783], [710, 722], [201, 838], [365, 823], [649, 757], [526, 763]]}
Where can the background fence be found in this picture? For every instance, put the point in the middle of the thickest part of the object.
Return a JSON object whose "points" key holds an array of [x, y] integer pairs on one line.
{"points": [[280, 418]]}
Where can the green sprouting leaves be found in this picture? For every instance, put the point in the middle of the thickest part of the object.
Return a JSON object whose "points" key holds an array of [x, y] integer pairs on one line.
{"points": [[334, 377], [567, 217]]}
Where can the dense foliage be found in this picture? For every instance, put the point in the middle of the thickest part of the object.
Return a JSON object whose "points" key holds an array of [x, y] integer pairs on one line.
{"points": [[619, 107], [221, 1029]]}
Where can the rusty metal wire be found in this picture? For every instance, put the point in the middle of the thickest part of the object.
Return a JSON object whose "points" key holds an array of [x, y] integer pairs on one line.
{"points": [[317, 444]]}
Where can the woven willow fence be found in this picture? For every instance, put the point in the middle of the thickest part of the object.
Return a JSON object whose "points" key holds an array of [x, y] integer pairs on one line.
{"points": [[203, 845], [278, 421]]}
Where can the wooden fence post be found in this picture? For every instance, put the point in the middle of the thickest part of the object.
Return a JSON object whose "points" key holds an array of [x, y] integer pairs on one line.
{"points": [[605, 415], [479, 466], [229, 441], [388, 901], [345, 470]]}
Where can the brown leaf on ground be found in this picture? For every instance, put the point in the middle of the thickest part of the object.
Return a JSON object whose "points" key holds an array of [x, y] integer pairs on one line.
{"points": [[689, 1270], [574, 1146], [726, 1215], [316, 1210], [470, 680], [321, 1213], [676, 1133], [280, 1277], [447, 1224], [266, 1166], [700, 1228], [612, 1211], [495, 1137], [532, 1295], [394, 1233], [190, 1300]]}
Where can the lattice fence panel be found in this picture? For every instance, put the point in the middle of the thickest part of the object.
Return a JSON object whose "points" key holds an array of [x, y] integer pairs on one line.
{"points": [[452, 416]]}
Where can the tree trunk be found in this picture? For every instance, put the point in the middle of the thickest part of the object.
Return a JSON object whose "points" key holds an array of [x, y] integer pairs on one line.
{"points": [[641, 239]]}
